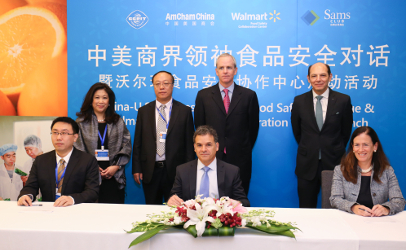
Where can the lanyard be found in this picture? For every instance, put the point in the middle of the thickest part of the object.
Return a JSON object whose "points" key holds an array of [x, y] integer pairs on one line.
{"points": [[167, 122], [56, 174], [104, 136]]}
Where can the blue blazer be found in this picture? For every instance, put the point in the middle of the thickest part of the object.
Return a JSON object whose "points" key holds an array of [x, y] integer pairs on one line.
{"points": [[344, 194]]}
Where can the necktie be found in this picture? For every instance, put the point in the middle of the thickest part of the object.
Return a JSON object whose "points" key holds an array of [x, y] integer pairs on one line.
{"points": [[226, 100], [205, 184], [319, 116], [160, 146], [61, 169], [319, 112]]}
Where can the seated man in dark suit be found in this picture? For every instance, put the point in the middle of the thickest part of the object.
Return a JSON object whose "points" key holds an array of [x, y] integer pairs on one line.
{"points": [[65, 175], [207, 175]]}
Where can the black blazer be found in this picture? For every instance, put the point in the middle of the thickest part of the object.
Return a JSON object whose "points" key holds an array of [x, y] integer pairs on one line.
{"points": [[237, 130], [81, 180], [179, 140], [228, 181], [332, 139]]}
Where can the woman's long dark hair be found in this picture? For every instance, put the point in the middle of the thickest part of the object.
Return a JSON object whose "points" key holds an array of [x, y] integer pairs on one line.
{"points": [[86, 111], [349, 163]]}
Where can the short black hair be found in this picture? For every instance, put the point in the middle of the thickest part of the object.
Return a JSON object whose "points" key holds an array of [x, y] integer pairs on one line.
{"points": [[206, 130], [328, 69], [75, 126], [163, 71]]}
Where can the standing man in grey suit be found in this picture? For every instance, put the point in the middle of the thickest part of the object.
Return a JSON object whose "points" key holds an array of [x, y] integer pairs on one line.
{"points": [[233, 111], [163, 140], [321, 122]]}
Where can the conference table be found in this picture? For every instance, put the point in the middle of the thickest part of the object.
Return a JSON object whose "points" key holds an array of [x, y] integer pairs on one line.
{"points": [[102, 226]]}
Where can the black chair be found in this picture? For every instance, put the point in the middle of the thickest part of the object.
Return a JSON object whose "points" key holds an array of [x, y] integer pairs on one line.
{"points": [[326, 181]]}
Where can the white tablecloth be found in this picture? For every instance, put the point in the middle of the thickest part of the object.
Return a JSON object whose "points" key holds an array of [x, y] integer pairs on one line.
{"points": [[101, 226]]}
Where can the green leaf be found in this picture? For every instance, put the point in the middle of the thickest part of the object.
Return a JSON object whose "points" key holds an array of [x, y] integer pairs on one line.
{"points": [[147, 235], [192, 230], [279, 230]]}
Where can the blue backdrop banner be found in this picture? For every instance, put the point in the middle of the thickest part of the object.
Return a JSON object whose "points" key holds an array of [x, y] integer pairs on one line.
{"points": [[123, 43]]}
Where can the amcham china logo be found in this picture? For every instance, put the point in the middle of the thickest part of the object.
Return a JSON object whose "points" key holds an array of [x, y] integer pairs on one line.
{"points": [[137, 19]]}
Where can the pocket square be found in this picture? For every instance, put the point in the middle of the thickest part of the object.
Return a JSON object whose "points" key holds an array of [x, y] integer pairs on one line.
{"points": [[337, 113]]}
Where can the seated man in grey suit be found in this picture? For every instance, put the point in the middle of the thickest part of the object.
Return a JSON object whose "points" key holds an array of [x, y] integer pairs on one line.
{"points": [[207, 175], [65, 175]]}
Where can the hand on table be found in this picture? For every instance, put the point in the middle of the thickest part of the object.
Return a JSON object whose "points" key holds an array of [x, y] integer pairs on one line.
{"points": [[379, 210], [63, 201], [361, 210], [175, 201], [24, 200]]}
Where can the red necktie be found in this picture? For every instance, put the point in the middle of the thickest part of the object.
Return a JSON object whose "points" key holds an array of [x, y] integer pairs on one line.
{"points": [[226, 100]]}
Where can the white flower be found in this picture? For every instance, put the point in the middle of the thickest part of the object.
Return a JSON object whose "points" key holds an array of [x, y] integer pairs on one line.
{"points": [[223, 207], [199, 217], [256, 222], [177, 220], [243, 222]]}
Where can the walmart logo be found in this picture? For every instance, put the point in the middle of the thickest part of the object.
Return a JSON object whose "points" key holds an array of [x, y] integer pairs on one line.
{"points": [[310, 17]]}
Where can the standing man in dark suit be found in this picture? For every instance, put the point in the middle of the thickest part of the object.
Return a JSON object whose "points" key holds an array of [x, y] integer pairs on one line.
{"points": [[163, 140], [207, 176], [233, 111], [321, 122], [65, 175]]}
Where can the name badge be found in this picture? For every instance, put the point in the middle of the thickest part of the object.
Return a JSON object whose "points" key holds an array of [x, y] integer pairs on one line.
{"points": [[102, 154], [162, 136]]}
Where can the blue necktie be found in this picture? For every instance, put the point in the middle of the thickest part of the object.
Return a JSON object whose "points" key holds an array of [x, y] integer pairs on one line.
{"points": [[205, 184]]}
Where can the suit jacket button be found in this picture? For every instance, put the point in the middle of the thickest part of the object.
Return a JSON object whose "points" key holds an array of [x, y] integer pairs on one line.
{"points": [[373, 194]]}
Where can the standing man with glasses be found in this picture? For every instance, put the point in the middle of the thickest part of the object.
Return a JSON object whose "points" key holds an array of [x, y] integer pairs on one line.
{"points": [[321, 122], [65, 175], [163, 140]]}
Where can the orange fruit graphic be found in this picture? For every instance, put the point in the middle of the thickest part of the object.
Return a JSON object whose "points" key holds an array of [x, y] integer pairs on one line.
{"points": [[48, 1], [46, 90], [29, 36], [58, 9], [7, 5], [6, 107]]}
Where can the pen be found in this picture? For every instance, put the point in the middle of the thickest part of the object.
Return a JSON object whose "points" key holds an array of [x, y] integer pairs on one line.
{"points": [[37, 205], [363, 210]]}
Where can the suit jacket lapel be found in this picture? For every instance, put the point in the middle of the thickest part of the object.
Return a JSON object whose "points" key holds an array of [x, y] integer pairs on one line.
{"points": [[51, 165], [220, 177], [192, 178], [174, 114], [310, 108], [70, 169], [330, 106], [216, 95], [235, 98], [151, 117]]}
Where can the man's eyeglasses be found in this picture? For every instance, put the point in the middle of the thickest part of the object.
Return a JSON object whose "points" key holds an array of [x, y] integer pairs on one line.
{"points": [[165, 84], [60, 133]]}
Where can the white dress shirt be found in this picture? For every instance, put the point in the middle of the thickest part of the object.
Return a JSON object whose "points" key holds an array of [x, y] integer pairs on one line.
{"points": [[213, 188], [167, 114], [230, 91]]}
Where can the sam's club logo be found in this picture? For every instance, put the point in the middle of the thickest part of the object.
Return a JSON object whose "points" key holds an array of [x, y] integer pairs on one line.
{"points": [[137, 19], [310, 17]]}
